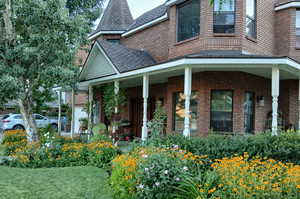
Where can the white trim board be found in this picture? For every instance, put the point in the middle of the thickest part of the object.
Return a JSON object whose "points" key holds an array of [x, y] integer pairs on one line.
{"points": [[173, 2], [147, 25], [288, 5], [201, 63], [104, 33]]}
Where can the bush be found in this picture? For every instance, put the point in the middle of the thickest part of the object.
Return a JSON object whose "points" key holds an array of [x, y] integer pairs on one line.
{"points": [[285, 147], [14, 140], [153, 172], [57, 152]]}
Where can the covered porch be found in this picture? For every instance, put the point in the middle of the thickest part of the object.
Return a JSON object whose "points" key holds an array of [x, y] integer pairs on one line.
{"points": [[237, 94]]}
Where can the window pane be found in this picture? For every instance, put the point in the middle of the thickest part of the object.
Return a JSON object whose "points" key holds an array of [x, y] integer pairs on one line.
{"points": [[224, 16], [179, 111], [251, 18], [249, 112], [298, 19], [188, 20], [250, 8], [221, 111], [224, 5], [298, 28]]}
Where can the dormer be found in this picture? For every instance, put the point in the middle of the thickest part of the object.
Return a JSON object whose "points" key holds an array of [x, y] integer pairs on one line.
{"points": [[114, 21]]}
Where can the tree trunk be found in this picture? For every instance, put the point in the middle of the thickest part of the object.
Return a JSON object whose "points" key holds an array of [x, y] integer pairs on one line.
{"points": [[9, 30], [29, 121]]}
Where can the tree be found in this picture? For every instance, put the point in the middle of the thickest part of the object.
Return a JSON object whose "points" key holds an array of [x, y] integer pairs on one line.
{"points": [[37, 50]]}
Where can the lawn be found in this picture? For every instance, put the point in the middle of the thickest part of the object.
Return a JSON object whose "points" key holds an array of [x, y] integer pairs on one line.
{"points": [[56, 183], [1, 150]]}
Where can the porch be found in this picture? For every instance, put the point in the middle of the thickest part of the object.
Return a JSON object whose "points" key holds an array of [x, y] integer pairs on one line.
{"points": [[238, 95]]}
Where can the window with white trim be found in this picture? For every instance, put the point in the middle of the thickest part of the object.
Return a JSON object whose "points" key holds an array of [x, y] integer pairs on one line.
{"points": [[224, 16]]}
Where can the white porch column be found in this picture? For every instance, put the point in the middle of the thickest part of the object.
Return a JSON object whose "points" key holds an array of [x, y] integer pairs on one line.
{"points": [[73, 113], [59, 112], [116, 90], [275, 94], [91, 97], [145, 112], [187, 94]]}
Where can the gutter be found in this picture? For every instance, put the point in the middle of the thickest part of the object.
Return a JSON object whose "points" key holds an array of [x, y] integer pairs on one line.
{"points": [[287, 5], [105, 32]]}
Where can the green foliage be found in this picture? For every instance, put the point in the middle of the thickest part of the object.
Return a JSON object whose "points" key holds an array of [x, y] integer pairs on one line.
{"points": [[159, 174], [157, 124], [100, 129], [40, 54], [111, 100], [57, 152], [284, 147], [100, 137], [153, 172]]}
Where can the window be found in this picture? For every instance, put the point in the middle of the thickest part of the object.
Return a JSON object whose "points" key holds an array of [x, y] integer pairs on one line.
{"points": [[114, 40], [179, 111], [221, 111], [17, 117], [39, 117], [224, 16], [251, 18], [249, 112], [298, 28], [188, 20]]}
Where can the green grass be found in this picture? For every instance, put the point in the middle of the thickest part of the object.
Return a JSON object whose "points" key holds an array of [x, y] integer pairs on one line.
{"points": [[54, 183], [1, 150]]}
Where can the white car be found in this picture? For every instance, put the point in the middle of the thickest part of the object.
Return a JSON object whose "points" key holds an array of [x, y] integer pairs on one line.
{"points": [[15, 121]]}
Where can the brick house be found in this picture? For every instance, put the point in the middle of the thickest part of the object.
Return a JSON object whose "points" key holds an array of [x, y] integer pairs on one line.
{"points": [[230, 67]]}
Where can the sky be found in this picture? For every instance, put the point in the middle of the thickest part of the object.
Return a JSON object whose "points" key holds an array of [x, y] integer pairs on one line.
{"points": [[138, 7]]}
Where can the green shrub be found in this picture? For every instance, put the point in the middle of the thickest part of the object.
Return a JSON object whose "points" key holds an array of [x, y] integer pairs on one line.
{"points": [[14, 140], [153, 172], [64, 152], [285, 147]]}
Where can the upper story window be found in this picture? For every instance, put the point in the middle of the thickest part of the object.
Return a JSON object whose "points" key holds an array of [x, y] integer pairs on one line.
{"points": [[298, 29], [251, 18], [224, 16], [188, 20]]}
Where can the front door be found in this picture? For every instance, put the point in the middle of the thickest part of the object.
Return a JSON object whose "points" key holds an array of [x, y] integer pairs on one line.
{"points": [[136, 114]]}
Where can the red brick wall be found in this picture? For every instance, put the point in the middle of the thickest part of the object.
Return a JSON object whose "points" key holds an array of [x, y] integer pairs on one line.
{"points": [[207, 40], [264, 43], [206, 81], [285, 34], [154, 40], [288, 101], [160, 40], [203, 83]]}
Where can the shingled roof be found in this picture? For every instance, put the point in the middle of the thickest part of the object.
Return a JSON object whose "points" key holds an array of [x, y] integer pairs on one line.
{"points": [[126, 59], [116, 17], [149, 16]]}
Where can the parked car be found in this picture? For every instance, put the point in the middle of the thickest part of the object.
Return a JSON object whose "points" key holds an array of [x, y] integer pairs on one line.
{"points": [[15, 121]]}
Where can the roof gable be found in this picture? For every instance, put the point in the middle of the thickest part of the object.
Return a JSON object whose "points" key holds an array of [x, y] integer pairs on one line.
{"points": [[97, 65]]}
